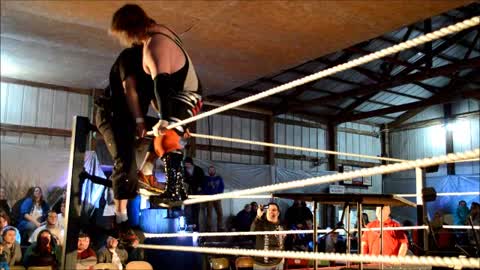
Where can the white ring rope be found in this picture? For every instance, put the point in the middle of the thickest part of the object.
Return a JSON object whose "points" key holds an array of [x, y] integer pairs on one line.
{"points": [[384, 169], [298, 148], [336, 69], [473, 193], [406, 260], [461, 227], [215, 234]]}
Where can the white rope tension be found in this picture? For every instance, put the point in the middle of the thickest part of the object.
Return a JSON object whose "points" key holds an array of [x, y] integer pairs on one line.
{"points": [[473, 193], [298, 148], [336, 69], [407, 260], [461, 227], [234, 234], [384, 169]]}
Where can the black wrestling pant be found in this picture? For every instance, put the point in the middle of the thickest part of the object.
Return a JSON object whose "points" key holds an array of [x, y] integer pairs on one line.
{"points": [[118, 131]]}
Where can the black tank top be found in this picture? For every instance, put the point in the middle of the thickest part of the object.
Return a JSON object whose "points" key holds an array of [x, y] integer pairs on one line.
{"points": [[184, 79]]}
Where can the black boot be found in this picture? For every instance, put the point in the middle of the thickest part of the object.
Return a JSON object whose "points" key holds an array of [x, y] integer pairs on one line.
{"points": [[174, 193]]}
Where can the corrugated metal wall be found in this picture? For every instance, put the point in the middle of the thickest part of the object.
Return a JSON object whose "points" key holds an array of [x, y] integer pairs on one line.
{"points": [[431, 140], [304, 136], [361, 144], [234, 127], [39, 107]]}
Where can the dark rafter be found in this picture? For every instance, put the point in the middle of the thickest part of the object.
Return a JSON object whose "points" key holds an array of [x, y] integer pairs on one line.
{"points": [[403, 94], [405, 37], [419, 76], [454, 85], [427, 25], [440, 99], [447, 43], [417, 49]]}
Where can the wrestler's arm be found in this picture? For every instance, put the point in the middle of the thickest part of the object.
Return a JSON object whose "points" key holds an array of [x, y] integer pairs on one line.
{"points": [[157, 58]]}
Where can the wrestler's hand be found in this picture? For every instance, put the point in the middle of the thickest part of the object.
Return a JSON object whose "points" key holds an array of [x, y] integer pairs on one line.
{"points": [[141, 130], [187, 135], [160, 128]]}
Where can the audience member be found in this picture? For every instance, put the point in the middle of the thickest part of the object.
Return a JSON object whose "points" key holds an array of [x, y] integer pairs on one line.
{"points": [[365, 220], [461, 213], [12, 249], [213, 184], [111, 253], [395, 242], [3, 258], [52, 226], [268, 222], [474, 216], [61, 216], [86, 257], [243, 220], [5, 222], [129, 241], [44, 252], [4, 206], [297, 215], [194, 177], [253, 212], [299, 242], [33, 212]]}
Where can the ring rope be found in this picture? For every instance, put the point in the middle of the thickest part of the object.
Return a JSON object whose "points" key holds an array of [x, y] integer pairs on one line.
{"points": [[383, 169], [405, 260], [216, 234], [298, 148], [473, 193], [336, 69], [461, 227]]}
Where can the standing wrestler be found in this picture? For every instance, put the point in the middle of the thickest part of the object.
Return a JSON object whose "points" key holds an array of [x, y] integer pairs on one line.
{"points": [[176, 88], [120, 115]]}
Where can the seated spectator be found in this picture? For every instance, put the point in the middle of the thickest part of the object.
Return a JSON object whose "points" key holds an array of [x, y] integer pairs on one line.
{"points": [[12, 249], [299, 242], [334, 243], [50, 225], [5, 222], [4, 206], [474, 216], [129, 241], [243, 220], [253, 213], [394, 242], [44, 252], [111, 253], [3, 258], [33, 212], [461, 213], [61, 216], [86, 257], [297, 214]]}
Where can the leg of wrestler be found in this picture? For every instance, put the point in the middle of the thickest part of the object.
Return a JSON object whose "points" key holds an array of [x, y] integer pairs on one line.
{"points": [[121, 150]]}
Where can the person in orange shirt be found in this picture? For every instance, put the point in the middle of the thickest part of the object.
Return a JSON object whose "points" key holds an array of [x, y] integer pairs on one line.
{"points": [[394, 242]]}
